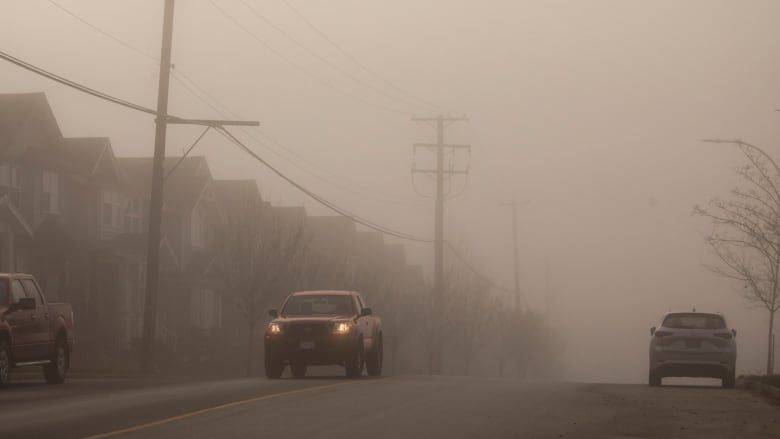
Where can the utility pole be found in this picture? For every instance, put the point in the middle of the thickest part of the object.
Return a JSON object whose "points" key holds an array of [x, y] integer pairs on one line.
{"points": [[155, 208], [514, 205], [158, 176], [438, 254]]}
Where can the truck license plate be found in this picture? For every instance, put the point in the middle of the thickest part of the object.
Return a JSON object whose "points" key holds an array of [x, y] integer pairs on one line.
{"points": [[307, 345]]}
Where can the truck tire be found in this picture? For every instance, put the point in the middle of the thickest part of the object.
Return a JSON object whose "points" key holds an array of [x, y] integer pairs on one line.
{"points": [[55, 371], [5, 364], [354, 365], [298, 369], [374, 359], [273, 367]]}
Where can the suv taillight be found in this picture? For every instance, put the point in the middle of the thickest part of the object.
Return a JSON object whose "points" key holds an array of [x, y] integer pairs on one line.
{"points": [[660, 334]]}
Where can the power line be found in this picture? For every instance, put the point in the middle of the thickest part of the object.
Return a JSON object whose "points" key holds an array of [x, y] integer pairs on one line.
{"points": [[191, 86], [331, 64], [105, 33], [355, 60], [300, 68], [343, 212], [72, 84], [337, 184]]}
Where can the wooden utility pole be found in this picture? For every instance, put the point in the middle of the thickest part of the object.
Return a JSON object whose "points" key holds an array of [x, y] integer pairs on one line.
{"points": [[514, 205], [438, 254], [158, 178], [155, 208]]}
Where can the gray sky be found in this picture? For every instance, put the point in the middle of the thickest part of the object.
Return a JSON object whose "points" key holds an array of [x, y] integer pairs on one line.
{"points": [[590, 110]]}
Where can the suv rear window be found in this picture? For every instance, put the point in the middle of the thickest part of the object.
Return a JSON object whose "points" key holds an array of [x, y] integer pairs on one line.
{"points": [[694, 321]]}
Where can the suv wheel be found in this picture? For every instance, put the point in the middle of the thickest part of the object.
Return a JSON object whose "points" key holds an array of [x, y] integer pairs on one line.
{"points": [[728, 381], [654, 379]]}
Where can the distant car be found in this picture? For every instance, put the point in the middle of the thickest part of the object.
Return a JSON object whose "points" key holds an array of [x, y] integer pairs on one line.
{"points": [[323, 328], [693, 344]]}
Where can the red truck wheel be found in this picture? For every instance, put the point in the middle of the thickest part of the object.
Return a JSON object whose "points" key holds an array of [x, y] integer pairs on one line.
{"points": [[5, 364], [55, 371]]}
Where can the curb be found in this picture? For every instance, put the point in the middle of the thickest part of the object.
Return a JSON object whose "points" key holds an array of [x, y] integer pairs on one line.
{"points": [[763, 389]]}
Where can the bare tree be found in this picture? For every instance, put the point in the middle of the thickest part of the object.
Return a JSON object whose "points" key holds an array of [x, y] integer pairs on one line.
{"points": [[745, 234], [471, 304], [259, 253]]}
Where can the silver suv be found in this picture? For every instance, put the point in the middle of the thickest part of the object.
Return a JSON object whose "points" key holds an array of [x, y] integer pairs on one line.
{"points": [[692, 344]]}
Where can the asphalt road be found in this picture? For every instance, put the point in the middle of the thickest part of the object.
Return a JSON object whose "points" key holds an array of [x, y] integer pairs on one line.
{"points": [[394, 407]]}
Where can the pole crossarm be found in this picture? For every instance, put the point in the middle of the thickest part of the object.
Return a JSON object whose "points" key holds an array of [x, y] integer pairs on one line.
{"points": [[435, 171], [211, 123], [436, 145], [442, 118]]}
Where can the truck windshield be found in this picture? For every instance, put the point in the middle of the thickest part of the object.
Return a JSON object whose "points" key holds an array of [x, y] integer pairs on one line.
{"points": [[694, 321], [320, 305]]}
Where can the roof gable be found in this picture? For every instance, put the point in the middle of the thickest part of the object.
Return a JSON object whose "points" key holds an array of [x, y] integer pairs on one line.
{"points": [[27, 121]]}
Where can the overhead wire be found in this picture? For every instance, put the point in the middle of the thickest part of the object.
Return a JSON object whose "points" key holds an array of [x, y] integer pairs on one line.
{"points": [[347, 188], [229, 136], [191, 86], [343, 212], [354, 60], [298, 67], [326, 61]]}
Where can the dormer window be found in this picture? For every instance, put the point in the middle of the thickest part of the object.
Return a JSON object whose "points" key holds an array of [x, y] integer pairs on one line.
{"points": [[51, 190]]}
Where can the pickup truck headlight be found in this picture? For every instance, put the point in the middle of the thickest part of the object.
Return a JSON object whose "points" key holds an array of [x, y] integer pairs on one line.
{"points": [[275, 328], [343, 327]]}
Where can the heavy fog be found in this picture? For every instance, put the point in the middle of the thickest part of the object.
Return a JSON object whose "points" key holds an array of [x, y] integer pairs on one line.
{"points": [[590, 112]]}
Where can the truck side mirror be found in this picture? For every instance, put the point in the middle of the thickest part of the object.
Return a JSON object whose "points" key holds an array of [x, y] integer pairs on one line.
{"points": [[273, 312], [366, 312], [734, 332], [652, 330]]}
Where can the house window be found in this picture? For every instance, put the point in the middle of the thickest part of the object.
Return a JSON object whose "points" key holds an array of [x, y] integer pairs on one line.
{"points": [[132, 217], [112, 205], [198, 226], [51, 191], [9, 183]]}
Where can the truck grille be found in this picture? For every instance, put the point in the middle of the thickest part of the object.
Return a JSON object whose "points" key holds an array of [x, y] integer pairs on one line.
{"points": [[308, 329]]}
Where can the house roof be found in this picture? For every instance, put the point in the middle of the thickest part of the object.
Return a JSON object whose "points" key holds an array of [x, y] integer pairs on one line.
{"points": [[91, 156], [17, 111], [235, 194], [185, 182]]}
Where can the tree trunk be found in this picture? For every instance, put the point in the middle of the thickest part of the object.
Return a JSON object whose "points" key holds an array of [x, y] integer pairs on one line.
{"points": [[770, 354]]}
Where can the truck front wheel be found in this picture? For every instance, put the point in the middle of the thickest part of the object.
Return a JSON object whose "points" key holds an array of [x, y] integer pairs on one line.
{"points": [[354, 365], [55, 371], [273, 367], [374, 359]]}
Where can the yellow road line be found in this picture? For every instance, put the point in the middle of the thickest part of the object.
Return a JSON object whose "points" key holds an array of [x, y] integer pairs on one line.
{"points": [[211, 409]]}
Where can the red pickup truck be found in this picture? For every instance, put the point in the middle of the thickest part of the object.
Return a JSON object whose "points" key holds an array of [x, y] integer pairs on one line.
{"points": [[321, 328], [33, 332]]}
